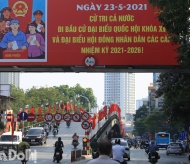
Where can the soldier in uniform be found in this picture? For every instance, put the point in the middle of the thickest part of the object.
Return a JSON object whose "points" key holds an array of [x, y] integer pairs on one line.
{"points": [[39, 23], [5, 14]]}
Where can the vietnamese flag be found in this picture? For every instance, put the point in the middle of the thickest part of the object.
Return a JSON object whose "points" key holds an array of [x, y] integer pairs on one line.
{"points": [[32, 110], [54, 108], [104, 111], [94, 122], [40, 110], [62, 106], [12, 125], [49, 109], [26, 110], [112, 108], [100, 115], [82, 110]]}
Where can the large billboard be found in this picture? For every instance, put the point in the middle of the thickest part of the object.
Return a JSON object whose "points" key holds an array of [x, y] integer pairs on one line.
{"points": [[67, 32]]}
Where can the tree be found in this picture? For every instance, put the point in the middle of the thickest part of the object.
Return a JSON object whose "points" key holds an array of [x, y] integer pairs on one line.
{"points": [[174, 15], [175, 88], [19, 96]]}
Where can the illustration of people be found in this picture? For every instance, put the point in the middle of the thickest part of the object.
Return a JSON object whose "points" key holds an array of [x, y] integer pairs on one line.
{"points": [[3, 31], [14, 39], [36, 43], [39, 23], [5, 14]]}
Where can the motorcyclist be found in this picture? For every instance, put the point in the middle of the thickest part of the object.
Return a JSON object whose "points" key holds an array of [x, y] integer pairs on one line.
{"points": [[58, 148], [118, 152], [47, 130], [152, 149], [94, 146], [75, 138], [55, 127], [68, 123]]}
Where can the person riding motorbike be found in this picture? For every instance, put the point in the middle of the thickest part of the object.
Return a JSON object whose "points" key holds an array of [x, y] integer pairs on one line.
{"points": [[58, 148], [94, 146], [68, 123], [75, 138], [153, 150], [47, 130], [55, 127]]}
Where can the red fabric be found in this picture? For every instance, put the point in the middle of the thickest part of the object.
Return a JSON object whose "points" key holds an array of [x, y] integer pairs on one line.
{"points": [[82, 110], [94, 122], [26, 110], [40, 110], [49, 109], [32, 110], [12, 125], [105, 111], [100, 115], [54, 108], [62, 106], [112, 108]]}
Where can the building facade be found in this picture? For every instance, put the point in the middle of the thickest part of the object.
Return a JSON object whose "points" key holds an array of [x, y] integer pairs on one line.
{"points": [[160, 100], [10, 78], [120, 88], [140, 103]]}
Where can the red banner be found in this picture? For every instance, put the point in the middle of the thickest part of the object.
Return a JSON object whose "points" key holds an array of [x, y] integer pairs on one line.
{"points": [[114, 33]]}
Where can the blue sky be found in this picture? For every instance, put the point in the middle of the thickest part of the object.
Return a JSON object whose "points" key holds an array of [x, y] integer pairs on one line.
{"points": [[86, 80]]}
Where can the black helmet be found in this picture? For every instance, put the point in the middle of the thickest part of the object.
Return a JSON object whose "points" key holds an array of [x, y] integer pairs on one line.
{"points": [[59, 139]]}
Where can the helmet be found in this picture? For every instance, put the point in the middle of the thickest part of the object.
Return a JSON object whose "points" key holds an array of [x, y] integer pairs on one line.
{"points": [[59, 138]]}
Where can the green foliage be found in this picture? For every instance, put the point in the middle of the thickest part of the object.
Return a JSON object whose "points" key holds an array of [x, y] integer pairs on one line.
{"points": [[174, 16], [23, 145], [35, 97], [175, 88]]}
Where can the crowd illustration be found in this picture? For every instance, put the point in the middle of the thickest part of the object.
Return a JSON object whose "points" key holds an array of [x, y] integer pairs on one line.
{"points": [[12, 38]]}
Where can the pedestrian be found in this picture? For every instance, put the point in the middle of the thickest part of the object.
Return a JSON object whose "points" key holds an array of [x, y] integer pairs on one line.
{"points": [[105, 151]]}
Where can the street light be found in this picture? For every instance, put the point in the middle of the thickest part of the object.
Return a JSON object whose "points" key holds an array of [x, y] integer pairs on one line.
{"points": [[89, 105]]}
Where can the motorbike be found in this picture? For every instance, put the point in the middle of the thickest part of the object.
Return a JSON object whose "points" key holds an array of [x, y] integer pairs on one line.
{"points": [[54, 132], [95, 154], [75, 143], [68, 124], [153, 158], [58, 155], [146, 150]]}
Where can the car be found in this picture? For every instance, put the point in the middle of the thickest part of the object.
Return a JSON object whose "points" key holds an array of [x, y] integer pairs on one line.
{"points": [[123, 143], [174, 148], [35, 135], [7, 141]]}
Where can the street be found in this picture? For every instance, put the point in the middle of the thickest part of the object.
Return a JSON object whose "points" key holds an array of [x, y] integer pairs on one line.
{"points": [[43, 154]]}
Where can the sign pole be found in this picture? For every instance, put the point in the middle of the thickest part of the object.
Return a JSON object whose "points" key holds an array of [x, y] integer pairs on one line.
{"points": [[23, 123]]}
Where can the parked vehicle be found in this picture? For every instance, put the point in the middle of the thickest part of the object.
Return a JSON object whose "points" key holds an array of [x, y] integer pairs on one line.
{"points": [[36, 135], [174, 148], [8, 142], [123, 143]]}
